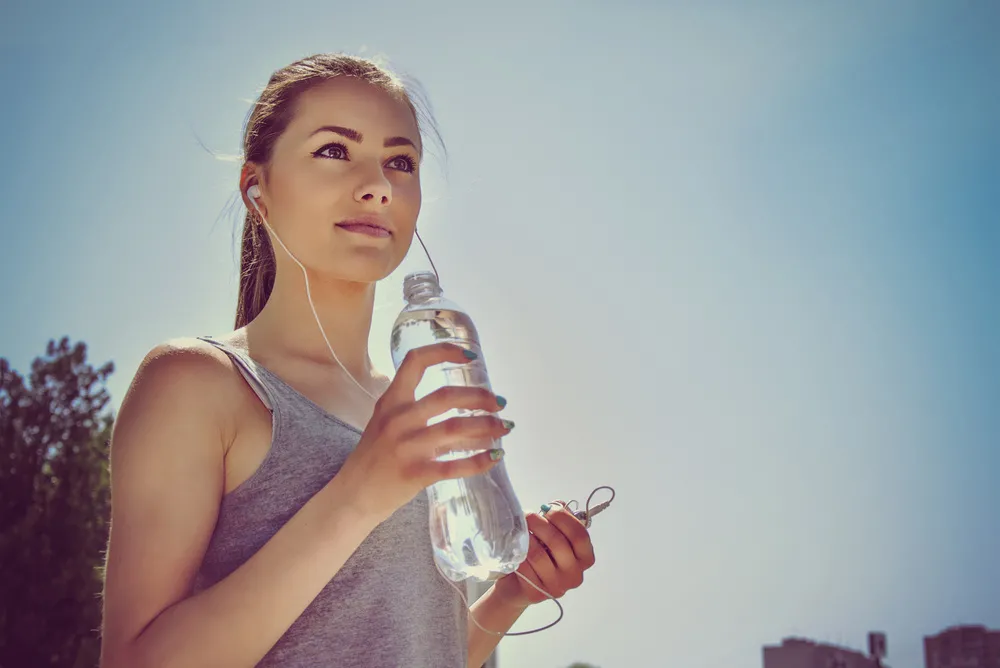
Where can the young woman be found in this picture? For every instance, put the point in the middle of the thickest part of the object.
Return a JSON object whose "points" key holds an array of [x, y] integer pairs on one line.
{"points": [[266, 510]]}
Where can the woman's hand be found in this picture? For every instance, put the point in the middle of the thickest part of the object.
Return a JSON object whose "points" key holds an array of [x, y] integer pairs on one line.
{"points": [[395, 458], [559, 553]]}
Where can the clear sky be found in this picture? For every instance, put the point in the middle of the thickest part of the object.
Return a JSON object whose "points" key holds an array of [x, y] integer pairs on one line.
{"points": [[739, 260]]}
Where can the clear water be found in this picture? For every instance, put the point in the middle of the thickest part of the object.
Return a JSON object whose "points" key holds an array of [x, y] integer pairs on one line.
{"points": [[477, 525]]}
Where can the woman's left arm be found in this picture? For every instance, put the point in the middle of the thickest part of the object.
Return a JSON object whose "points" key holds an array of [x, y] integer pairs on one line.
{"points": [[559, 552]]}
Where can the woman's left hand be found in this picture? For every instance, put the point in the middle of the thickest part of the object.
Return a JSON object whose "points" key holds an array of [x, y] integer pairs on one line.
{"points": [[559, 552]]}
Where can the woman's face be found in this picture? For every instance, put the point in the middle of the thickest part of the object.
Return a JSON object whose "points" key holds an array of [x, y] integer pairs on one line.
{"points": [[343, 186]]}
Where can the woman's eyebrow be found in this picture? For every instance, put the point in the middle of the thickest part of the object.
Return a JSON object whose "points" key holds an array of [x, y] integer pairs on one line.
{"points": [[356, 136]]}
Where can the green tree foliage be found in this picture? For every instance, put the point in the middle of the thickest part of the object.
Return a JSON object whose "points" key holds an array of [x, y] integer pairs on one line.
{"points": [[54, 507]]}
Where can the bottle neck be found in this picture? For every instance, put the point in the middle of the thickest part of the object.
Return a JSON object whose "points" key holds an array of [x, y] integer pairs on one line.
{"points": [[421, 287]]}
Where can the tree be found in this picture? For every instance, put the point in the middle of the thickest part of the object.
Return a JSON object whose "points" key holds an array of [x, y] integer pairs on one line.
{"points": [[54, 508], [578, 664]]}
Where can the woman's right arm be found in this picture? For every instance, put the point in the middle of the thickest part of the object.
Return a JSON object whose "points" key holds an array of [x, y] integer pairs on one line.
{"points": [[167, 459]]}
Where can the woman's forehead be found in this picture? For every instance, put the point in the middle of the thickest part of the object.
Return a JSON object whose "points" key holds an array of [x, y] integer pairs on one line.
{"points": [[350, 102]]}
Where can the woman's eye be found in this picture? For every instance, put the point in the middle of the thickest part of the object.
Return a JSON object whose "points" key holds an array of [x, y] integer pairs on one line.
{"points": [[332, 151], [337, 151], [402, 162]]}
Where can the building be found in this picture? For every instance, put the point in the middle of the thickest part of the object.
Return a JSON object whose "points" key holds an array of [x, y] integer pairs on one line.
{"points": [[963, 647], [805, 653]]}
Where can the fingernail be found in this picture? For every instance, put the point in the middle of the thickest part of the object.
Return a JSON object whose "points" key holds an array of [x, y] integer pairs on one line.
{"points": [[546, 508], [507, 424], [496, 454], [469, 354], [501, 402]]}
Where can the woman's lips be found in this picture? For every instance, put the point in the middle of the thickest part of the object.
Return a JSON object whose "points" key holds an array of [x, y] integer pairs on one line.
{"points": [[368, 225], [367, 229]]}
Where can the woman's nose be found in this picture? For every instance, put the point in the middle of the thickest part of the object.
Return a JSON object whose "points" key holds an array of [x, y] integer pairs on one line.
{"points": [[374, 188]]}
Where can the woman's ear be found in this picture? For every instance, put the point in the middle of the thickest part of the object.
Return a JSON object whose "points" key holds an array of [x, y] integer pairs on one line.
{"points": [[250, 190]]}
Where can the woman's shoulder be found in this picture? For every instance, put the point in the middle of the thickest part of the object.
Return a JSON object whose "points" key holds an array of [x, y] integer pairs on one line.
{"points": [[186, 360], [186, 372], [184, 400]]}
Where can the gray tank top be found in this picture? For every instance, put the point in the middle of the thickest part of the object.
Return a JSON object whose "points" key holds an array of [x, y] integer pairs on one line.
{"points": [[387, 606]]}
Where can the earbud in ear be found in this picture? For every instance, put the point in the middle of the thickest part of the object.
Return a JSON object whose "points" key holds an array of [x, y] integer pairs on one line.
{"points": [[253, 192]]}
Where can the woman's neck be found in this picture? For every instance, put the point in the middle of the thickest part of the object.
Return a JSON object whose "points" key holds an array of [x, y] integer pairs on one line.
{"points": [[287, 325]]}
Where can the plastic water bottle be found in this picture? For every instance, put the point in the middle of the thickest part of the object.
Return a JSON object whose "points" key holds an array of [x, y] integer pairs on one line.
{"points": [[477, 525]]}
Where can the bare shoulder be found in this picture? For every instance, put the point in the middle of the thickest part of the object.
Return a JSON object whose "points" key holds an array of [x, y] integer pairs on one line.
{"points": [[167, 478], [186, 366], [185, 361], [182, 378]]}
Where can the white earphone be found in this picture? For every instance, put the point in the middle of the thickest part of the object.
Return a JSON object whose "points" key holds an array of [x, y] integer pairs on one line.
{"points": [[253, 192]]}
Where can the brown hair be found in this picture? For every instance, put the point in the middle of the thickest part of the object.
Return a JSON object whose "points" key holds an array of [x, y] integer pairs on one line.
{"points": [[268, 118]]}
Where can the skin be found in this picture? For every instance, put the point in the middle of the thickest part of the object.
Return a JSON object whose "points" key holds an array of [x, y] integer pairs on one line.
{"points": [[169, 475]]}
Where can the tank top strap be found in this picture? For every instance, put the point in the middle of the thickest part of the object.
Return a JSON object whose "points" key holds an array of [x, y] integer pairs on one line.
{"points": [[249, 369]]}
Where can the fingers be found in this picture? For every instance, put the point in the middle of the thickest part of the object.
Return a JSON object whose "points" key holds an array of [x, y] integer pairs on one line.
{"points": [[574, 533], [528, 571], [418, 360], [461, 468], [558, 553], [552, 538], [544, 570], [446, 398], [475, 432]]}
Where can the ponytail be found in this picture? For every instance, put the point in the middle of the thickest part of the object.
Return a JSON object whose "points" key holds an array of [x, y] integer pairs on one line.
{"points": [[268, 118], [257, 271]]}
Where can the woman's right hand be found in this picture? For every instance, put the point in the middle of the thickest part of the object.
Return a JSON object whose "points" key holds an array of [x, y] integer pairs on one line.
{"points": [[395, 458]]}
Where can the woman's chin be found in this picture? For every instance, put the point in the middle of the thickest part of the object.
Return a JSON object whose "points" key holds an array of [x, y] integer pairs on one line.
{"points": [[361, 267]]}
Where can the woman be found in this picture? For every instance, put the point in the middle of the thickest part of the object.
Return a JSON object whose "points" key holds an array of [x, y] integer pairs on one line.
{"points": [[266, 509]]}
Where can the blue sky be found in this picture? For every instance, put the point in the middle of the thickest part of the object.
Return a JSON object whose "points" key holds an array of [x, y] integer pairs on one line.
{"points": [[741, 262]]}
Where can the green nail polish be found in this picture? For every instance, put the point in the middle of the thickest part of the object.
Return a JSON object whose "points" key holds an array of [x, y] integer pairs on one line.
{"points": [[507, 424], [501, 402], [496, 454], [546, 508], [469, 354]]}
